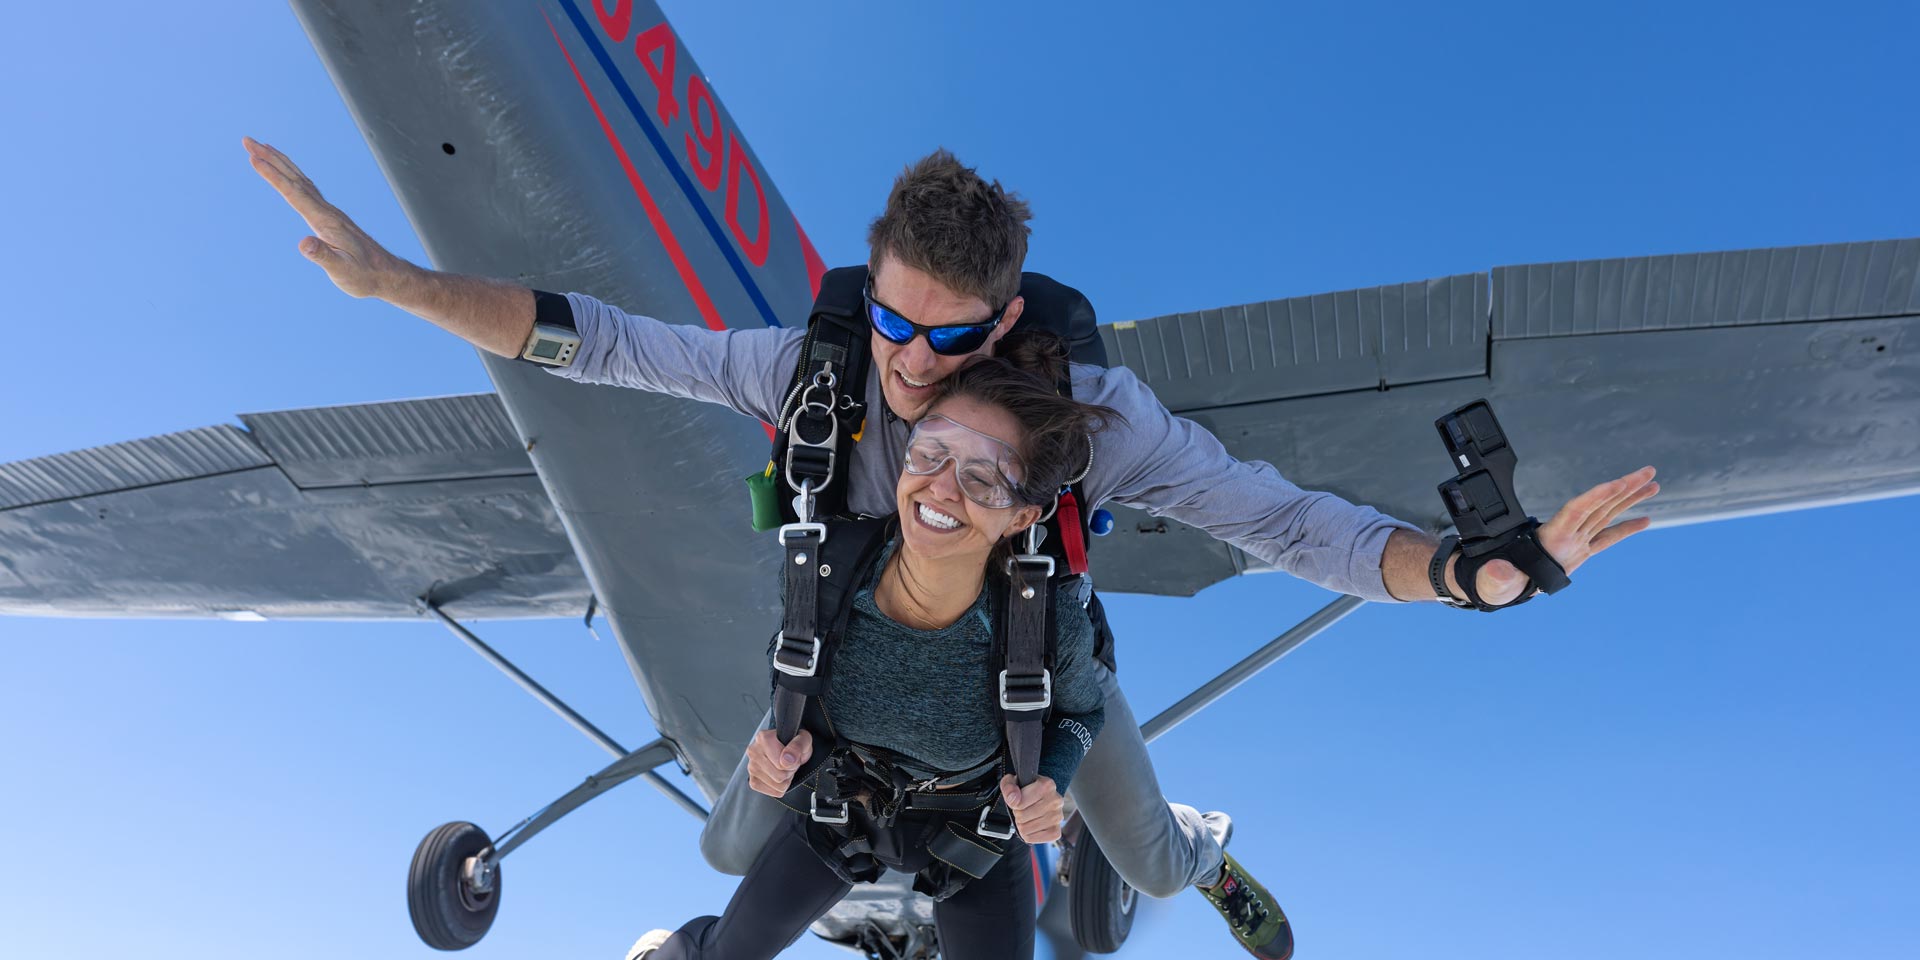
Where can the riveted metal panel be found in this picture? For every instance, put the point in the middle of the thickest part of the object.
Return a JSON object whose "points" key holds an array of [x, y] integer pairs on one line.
{"points": [[403, 441], [1302, 346], [137, 463], [1839, 281]]}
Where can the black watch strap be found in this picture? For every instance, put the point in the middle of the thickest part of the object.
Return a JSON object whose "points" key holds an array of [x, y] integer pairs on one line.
{"points": [[1437, 573], [553, 309]]}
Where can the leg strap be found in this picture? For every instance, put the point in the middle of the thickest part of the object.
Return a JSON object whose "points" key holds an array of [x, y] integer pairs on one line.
{"points": [[966, 851]]}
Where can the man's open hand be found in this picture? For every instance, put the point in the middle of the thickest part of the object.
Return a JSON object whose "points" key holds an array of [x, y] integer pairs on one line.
{"points": [[1036, 808], [351, 259], [1582, 528], [770, 765]]}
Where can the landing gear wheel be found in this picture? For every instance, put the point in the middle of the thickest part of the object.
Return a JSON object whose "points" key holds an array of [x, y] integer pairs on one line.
{"points": [[450, 911], [1102, 903]]}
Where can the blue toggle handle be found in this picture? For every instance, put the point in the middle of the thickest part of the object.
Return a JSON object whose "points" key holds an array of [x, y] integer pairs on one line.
{"points": [[1101, 524]]}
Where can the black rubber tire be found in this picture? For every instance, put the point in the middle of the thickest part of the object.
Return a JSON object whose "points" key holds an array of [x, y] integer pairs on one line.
{"points": [[446, 913], [1103, 905]]}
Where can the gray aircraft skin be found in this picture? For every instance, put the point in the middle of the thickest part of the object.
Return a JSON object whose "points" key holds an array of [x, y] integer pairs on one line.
{"points": [[530, 142]]}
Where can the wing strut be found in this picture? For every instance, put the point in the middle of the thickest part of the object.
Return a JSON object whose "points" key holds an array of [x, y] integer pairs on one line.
{"points": [[1243, 671], [628, 764], [453, 886], [638, 763]]}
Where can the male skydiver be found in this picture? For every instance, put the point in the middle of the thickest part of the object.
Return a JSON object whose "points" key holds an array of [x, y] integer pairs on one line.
{"points": [[947, 253]]}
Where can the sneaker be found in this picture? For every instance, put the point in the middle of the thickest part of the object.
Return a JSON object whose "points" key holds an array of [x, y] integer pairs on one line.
{"points": [[646, 945], [1257, 922]]}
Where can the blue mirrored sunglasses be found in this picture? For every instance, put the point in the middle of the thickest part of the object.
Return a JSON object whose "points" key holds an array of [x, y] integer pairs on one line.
{"points": [[950, 340]]}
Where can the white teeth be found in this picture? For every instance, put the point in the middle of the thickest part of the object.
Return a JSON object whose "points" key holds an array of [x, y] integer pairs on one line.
{"points": [[935, 518], [911, 382]]}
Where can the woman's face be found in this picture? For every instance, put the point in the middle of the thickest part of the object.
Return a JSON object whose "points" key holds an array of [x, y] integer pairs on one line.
{"points": [[938, 520]]}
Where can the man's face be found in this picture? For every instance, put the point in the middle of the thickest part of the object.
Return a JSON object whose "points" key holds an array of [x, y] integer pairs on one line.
{"points": [[911, 369]]}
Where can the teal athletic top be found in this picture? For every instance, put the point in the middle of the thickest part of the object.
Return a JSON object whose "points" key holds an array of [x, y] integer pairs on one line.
{"points": [[925, 694]]}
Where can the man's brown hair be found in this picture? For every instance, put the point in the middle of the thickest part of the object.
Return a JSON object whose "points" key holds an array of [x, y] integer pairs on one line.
{"points": [[943, 219]]}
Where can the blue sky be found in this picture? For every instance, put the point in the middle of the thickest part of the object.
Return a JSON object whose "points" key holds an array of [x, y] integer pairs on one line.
{"points": [[1705, 749]]}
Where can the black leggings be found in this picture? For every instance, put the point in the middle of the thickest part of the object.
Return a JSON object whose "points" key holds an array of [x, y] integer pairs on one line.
{"points": [[789, 887]]}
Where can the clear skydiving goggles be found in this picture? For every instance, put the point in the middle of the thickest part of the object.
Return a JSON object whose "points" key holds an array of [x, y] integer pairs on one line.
{"points": [[985, 467]]}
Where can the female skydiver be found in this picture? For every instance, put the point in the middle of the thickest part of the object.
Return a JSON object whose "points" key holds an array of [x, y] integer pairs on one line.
{"points": [[908, 734]]}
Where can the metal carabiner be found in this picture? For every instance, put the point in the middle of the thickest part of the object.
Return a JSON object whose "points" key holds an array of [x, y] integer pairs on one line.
{"points": [[824, 380], [802, 509]]}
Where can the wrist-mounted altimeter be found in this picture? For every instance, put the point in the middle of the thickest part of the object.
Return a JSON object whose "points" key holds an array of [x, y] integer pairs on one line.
{"points": [[1486, 512], [551, 345]]}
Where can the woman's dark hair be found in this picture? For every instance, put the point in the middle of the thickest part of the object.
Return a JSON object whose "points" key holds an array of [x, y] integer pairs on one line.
{"points": [[1022, 378]]}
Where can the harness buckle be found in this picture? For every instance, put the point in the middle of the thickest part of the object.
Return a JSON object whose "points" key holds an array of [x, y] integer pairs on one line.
{"points": [[1019, 701], [788, 645], [1039, 561], [813, 810], [790, 530], [994, 833]]}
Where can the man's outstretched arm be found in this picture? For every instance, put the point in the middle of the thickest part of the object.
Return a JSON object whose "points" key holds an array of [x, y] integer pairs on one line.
{"points": [[1581, 529], [1173, 467], [493, 315]]}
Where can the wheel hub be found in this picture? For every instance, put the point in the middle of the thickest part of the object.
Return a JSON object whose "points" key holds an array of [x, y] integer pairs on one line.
{"points": [[476, 882]]}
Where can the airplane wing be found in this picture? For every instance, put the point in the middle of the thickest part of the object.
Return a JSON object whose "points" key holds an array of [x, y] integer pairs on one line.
{"points": [[1797, 368], [345, 513], [1756, 380]]}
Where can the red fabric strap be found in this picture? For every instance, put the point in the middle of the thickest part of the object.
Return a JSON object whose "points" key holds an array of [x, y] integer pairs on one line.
{"points": [[1073, 533]]}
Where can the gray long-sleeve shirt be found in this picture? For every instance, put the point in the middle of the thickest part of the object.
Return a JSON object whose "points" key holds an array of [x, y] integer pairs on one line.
{"points": [[1155, 461]]}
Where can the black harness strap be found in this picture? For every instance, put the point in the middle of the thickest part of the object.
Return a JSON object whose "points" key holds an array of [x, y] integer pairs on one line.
{"points": [[964, 850], [797, 654], [820, 575], [1023, 634], [1026, 685]]}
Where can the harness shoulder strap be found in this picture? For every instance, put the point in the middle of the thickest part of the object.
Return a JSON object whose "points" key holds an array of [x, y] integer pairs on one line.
{"points": [[1024, 637], [824, 562], [825, 405]]}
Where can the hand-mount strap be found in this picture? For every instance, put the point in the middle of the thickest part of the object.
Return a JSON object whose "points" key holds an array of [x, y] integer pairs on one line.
{"points": [[1485, 509], [1519, 547]]}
